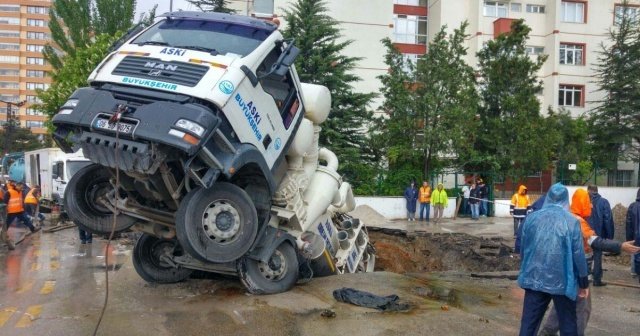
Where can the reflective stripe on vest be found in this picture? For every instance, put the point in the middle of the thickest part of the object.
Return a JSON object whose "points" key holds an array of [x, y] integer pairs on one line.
{"points": [[15, 202], [30, 199]]}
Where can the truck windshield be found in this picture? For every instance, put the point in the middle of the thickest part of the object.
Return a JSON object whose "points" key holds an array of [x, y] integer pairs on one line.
{"points": [[210, 36], [74, 166]]}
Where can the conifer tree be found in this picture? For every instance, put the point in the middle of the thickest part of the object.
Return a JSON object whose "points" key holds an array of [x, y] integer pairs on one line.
{"points": [[321, 61], [513, 136], [221, 6], [614, 124]]}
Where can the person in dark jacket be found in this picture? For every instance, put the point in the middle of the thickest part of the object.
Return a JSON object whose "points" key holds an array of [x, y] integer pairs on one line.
{"points": [[474, 202], [411, 196], [601, 221], [483, 195], [633, 231]]}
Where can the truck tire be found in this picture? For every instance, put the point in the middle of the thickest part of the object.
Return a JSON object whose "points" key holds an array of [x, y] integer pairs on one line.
{"points": [[80, 201], [277, 275], [217, 225], [148, 264]]}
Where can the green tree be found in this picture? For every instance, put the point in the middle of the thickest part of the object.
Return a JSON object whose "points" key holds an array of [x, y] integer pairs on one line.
{"points": [[21, 140], [321, 61], [614, 123], [74, 23], [570, 137], [73, 74], [513, 136], [394, 132], [447, 102], [221, 6]]}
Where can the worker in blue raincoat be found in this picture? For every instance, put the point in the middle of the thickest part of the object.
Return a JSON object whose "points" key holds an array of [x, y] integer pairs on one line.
{"points": [[411, 196], [554, 267]]}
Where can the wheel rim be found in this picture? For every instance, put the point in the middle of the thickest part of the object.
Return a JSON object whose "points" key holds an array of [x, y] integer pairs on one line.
{"points": [[275, 268], [221, 222]]}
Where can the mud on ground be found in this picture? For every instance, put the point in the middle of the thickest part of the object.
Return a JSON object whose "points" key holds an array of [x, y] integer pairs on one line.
{"points": [[402, 253]]}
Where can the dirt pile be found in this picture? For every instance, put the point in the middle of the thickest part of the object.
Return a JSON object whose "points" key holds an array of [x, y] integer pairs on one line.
{"points": [[368, 216], [425, 252]]}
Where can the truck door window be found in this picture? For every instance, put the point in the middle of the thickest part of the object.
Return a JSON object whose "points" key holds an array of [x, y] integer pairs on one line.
{"points": [[281, 89]]}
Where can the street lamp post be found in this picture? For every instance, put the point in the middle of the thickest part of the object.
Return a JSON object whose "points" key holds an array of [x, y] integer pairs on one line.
{"points": [[9, 124]]}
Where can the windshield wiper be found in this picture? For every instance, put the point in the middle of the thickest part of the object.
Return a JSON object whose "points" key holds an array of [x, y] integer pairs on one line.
{"points": [[160, 43], [199, 48]]}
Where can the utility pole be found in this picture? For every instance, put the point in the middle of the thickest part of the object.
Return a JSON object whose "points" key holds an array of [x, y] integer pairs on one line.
{"points": [[170, 6], [9, 124]]}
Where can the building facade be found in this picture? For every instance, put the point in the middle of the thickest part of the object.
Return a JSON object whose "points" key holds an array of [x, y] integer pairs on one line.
{"points": [[365, 23], [23, 33]]}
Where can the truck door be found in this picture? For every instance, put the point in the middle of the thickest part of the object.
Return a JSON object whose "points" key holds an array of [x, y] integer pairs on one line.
{"points": [[58, 183]]}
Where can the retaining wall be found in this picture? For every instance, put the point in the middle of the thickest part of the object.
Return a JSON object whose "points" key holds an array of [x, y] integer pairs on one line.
{"points": [[395, 208]]}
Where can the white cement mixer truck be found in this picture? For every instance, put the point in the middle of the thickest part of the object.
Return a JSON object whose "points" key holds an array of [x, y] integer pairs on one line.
{"points": [[216, 144]]}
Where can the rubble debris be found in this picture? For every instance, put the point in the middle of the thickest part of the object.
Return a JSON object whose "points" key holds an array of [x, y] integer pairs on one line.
{"points": [[328, 313], [427, 252]]}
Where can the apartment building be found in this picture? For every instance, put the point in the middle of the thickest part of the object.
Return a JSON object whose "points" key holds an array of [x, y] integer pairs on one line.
{"points": [[23, 33], [365, 23]]}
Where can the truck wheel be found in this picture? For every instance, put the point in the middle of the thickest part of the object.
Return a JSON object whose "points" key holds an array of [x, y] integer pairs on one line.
{"points": [[81, 197], [218, 224], [277, 275], [148, 262]]}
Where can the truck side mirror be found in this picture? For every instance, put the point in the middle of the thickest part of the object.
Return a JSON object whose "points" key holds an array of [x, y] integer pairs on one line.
{"points": [[285, 60]]}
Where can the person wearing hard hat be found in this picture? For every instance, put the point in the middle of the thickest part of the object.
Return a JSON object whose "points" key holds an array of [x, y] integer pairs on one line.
{"points": [[15, 207]]}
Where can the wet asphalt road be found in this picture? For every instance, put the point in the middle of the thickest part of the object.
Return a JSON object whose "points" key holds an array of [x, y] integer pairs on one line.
{"points": [[53, 285]]}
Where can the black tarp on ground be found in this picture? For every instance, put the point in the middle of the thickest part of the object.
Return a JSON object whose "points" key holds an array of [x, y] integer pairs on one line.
{"points": [[366, 299]]}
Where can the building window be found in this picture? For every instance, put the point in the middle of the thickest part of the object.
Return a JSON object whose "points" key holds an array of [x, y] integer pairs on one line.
{"points": [[36, 73], [9, 8], [10, 98], [421, 3], [621, 178], [35, 86], [410, 29], [37, 10], [571, 95], [9, 33], [33, 99], [572, 12], [35, 23], [9, 46], [9, 20], [36, 60], [516, 7], [9, 72], [9, 85], [495, 9], [631, 12], [35, 124], [535, 9], [37, 35], [263, 6], [572, 54], [410, 59], [35, 47], [32, 111], [9, 59], [533, 50]]}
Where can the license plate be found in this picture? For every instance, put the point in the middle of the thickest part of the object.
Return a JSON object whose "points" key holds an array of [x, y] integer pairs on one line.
{"points": [[104, 124]]}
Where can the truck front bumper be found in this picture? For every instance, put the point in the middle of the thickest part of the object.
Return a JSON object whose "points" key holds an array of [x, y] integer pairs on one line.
{"points": [[148, 132]]}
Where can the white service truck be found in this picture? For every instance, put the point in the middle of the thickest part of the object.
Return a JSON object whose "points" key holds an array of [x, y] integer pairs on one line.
{"points": [[51, 169], [215, 142]]}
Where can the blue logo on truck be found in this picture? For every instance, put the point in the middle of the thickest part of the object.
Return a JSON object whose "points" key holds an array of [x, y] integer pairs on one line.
{"points": [[149, 83], [252, 115], [226, 87]]}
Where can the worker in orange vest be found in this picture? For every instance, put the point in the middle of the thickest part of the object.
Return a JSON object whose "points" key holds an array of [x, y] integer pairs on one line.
{"points": [[425, 200], [31, 203], [15, 207], [4, 227]]}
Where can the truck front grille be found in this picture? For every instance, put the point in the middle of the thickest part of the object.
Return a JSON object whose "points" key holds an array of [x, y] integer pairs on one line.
{"points": [[167, 71]]}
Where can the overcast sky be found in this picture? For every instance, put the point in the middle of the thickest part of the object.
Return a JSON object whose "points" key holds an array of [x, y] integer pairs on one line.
{"points": [[163, 6]]}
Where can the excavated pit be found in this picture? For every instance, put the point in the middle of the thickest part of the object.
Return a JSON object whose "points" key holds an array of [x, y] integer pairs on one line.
{"points": [[399, 252]]}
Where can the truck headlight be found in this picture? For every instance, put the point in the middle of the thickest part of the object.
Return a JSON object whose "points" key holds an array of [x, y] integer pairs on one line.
{"points": [[190, 126], [71, 103]]}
